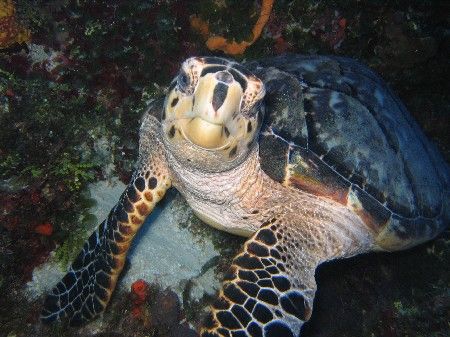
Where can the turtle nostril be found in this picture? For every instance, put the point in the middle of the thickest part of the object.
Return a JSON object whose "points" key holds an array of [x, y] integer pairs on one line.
{"points": [[219, 95], [224, 76]]}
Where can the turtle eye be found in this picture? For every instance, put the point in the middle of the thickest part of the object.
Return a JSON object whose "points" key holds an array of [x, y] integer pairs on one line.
{"points": [[183, 81]]}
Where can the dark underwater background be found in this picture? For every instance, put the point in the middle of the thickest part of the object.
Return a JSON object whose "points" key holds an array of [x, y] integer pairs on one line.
{"points": [[75, 78]]}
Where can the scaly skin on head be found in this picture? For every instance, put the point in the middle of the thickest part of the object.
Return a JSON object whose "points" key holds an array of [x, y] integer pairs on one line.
{"points": [[212, 114]]}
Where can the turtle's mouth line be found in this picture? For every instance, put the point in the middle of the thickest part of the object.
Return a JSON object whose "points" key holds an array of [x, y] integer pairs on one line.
{"points": [[204, 134]]}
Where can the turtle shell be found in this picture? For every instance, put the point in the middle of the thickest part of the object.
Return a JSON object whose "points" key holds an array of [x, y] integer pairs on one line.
{"points": [[334, 129]]}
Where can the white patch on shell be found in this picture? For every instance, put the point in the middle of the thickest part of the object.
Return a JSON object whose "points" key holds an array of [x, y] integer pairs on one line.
{"points": [[334, 101], [279, 118], [309, 67], [320, 83], [379, 97]]}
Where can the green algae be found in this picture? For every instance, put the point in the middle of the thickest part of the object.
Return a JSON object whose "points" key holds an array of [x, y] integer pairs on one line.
{"points": [[74, 229], [71, 246], [9, 165], [43, 118], [405, 310], [74, 174]]}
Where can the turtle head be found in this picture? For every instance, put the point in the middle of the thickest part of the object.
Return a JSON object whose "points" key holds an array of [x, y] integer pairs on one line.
{"points": [[212, 113]]}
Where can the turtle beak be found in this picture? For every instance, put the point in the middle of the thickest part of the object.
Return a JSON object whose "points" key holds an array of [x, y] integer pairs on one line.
{"points": [[204, 133], [215, 104]]}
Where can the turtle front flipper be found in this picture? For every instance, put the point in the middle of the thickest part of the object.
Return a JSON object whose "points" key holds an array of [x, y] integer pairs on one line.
{"points": [[86, 289], [264, 294], [270, 288]]}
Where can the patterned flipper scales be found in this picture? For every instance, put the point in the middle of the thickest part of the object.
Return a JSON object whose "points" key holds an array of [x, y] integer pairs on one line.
{"points": [[86, 289], [261, 296]]}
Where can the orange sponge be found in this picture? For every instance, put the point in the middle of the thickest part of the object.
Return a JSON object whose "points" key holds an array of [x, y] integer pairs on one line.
{"points": [[233, 47], [10, 31]]}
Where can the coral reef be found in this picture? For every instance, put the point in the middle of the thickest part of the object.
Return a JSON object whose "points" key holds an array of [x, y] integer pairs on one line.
{"points": [[70, 105]]}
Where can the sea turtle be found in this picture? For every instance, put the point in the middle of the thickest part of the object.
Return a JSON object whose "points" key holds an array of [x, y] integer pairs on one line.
{"points": [[311, 157]]}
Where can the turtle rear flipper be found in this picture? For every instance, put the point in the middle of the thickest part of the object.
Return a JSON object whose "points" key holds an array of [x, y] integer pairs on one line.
{"points": [[86, 289]]}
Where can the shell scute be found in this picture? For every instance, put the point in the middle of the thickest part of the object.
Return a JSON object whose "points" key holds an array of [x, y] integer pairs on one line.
{"points": [[307, 172], [285, 114]]}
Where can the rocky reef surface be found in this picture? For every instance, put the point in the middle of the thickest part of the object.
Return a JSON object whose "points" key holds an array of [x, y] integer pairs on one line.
{"points": [[75, 78]]}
